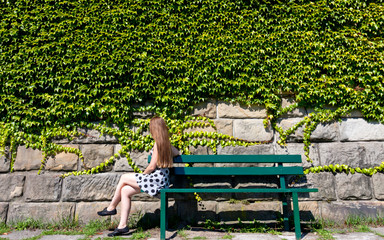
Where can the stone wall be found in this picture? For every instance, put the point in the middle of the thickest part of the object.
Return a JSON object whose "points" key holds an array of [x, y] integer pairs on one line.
{"points": [[352, 141]]}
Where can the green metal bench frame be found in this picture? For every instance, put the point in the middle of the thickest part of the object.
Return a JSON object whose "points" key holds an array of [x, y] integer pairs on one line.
{"points": [[277, 170]]}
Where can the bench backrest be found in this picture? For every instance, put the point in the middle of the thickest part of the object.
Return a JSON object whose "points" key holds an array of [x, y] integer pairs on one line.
{"points": [[218, 170], [277, 170]]}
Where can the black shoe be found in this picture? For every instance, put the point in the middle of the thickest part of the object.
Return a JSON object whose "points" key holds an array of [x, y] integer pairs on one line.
{"points": [[118, 232], [105, 212]]}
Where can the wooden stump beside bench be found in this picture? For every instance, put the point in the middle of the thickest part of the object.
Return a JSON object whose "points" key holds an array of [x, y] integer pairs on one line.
{"points": [[276, 168]]}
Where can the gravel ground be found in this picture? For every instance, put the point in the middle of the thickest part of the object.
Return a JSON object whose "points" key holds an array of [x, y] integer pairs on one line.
{"points": [[202, 234]]}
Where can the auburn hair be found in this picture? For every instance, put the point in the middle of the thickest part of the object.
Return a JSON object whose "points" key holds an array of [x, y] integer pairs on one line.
{"points": [[160, 134]]}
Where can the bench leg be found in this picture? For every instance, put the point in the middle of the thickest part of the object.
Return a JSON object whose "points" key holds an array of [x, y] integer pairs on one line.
{"points": [[296, 215], [163, 214], [285, 212]]}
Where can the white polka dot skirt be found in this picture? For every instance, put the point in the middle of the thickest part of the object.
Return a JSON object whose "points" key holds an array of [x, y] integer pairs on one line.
{"points": [[153, 182]]}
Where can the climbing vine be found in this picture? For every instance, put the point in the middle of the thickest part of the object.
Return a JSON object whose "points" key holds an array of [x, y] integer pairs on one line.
{"points": [[182, 137], [67, 64]]}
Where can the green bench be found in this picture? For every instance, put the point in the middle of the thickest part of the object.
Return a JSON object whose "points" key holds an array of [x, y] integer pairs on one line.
{"points": [[276, 168]]}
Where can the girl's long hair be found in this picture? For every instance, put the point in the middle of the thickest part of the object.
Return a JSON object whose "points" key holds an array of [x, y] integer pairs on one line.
{"points": [[160, 134]]}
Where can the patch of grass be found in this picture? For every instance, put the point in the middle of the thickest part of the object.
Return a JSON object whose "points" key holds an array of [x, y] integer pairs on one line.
{"points": [[227, 236], [66, 224], [110, 238], [140, 234], [362, 228], [379, 234], [326, 223], [4, 228], [182, 233], [134, 219], [95, 226], [356, 220], [29, 223], [354, 223], [273, 231], [252, 227], [62, 232], [357, 223], [324, 234]]}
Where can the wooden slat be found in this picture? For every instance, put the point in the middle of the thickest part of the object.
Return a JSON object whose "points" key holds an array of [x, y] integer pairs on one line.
{"points": [[239, 190], [238, 170], [236, 159]]}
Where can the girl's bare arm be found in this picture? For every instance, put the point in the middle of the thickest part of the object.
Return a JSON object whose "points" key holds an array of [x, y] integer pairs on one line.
{"points": [[153, 164]]}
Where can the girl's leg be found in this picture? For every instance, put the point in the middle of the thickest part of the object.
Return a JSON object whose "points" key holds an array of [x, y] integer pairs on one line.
{"points": [[126, 193], [126, 179]]}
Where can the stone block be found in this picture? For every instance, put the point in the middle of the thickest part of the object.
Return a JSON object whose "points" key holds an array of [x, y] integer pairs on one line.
{"points": [[378, 186], [309, 210], [5, 163], [357, 129], [213, 182], [323, 133], [200, 150], [363, 155], [235, 110], [94, 154], [326, 107], [28, 159], [63, 161], [87, 211], [11, 186], [46, 212], [144, 114], [224, 126], [97, 187], [354, 114], [139, 158], [248, 212], [250, 150], [252, 130], [146, 197], [205, 210], [91, 136], [3, 212], [298, 149], [286, 124], [261, 149], [297, 112], [353, 187], [325, 182], [326, 132], [147, 213], [200, 129], [256, 182], [43, 188], [339, 211], [150, 211], [205, 109], [186, 210]]}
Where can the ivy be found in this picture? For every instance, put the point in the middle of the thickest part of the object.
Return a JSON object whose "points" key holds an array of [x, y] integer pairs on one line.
{"points": [[66, 64], [182, 137]]}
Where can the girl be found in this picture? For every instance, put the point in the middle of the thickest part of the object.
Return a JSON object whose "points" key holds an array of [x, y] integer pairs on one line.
{"points": [[154, 178]]}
